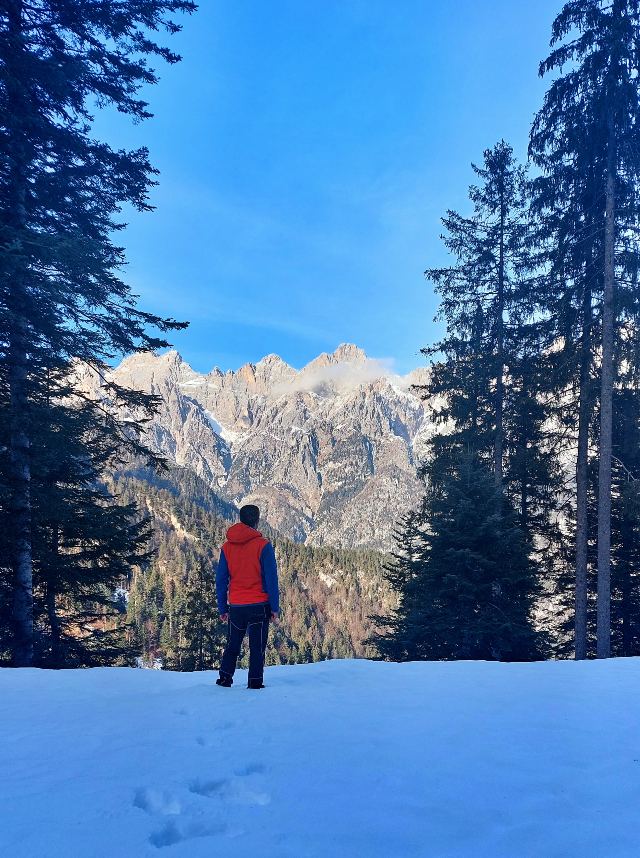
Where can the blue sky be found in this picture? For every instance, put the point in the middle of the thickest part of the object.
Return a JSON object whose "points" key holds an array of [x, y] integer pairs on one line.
{"points": [[307, 151]]}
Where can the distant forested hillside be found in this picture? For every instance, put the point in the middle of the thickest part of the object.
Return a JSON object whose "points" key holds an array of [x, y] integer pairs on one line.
{"points": [[327, 593]]}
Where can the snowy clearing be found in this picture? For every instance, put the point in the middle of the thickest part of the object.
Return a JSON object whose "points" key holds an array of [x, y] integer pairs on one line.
{"points": [[341, 758]]}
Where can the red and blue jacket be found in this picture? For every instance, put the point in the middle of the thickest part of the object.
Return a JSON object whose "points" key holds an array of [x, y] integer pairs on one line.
{"points": [[247, 572]]}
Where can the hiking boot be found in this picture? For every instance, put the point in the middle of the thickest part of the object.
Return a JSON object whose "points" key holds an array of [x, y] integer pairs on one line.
{"points": [[255, 683], [225, 681]]}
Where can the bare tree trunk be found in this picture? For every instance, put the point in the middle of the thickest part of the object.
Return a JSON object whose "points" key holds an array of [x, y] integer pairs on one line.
{"points": [[54, 620], [606, 417], [627, 606], [20, 503], [581, 481], [20, 499]]}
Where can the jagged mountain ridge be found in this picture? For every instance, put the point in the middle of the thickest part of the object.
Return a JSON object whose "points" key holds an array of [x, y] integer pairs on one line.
{"points": [[328, 452]]}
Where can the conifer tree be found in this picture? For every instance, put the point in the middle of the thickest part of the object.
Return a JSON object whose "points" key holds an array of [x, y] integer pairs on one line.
{"points": [[585, 139], [84, 544], [463, 571], [491, 389], [625, 523], [61, 294], [202, 633], [478, 300]]}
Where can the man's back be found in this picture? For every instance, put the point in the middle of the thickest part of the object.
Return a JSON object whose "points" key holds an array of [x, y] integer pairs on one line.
{"points": [[248, 598], [242, 550], [247, 569]]}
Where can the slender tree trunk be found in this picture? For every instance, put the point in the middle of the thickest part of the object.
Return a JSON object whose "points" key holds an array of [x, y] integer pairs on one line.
{"points": [[582, 481], [476, 394], [54, 620], [606, 416], [20, 499], [500, 350], [626, 608], [20, 502], [529, 388]]}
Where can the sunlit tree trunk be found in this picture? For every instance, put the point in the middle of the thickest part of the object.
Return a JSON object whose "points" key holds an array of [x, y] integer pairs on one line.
{"points": [[582, 482], [606, 415]]}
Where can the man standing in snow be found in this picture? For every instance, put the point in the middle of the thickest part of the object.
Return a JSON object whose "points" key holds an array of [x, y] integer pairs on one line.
{"points": [[248, 598]]}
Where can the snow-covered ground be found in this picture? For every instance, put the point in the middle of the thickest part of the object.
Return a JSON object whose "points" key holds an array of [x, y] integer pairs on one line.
{"points": [[343, 758]]}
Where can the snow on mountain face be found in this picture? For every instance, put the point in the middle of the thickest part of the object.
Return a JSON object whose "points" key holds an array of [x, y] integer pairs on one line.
{"points": [[329, 452]]}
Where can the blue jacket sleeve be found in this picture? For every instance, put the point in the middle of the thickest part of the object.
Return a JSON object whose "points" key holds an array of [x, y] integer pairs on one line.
{"points": [[270, 575], [222, 584]]}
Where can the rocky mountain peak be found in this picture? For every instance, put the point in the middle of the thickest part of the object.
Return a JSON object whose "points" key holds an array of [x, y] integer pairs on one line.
{"points": [[328, 452], [349, 352], [270, 362], [273, 370], [345, 353], [141, 370]]}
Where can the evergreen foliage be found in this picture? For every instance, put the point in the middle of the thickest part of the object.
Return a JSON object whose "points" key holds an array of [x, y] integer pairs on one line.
{"points": [[465, 577], [491, 391], [625, 528], [61, 293], [480, 302], [585, 140], [84, 544], [541, 308], [490, 387], [202, 633], [494, 397]]}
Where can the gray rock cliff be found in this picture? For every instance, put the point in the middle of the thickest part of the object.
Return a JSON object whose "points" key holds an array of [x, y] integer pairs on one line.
{"points": [[328, 452]]}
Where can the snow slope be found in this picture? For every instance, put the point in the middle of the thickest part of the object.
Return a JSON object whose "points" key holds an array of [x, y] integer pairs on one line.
{"points": [[343, 758]]}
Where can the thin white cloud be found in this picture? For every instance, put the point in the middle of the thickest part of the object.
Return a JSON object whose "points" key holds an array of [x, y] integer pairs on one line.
{"points": [[341, 376]]}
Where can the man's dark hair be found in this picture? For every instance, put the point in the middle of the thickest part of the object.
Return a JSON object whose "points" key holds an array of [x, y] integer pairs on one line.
{"points": [[249, 515]]}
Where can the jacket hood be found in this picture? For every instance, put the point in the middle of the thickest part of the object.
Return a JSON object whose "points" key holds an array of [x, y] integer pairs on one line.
{"points": [[240, 533]]}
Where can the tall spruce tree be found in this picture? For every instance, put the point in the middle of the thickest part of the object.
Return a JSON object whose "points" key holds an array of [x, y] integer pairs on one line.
{"points": [[478, 301], [463, 571], [586, 141], [61, 294], [84, 544], [490, 388]]}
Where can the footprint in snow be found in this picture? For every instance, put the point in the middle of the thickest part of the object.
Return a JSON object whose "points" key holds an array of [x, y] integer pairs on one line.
{"points": [[157, 801], [246, 787]]}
